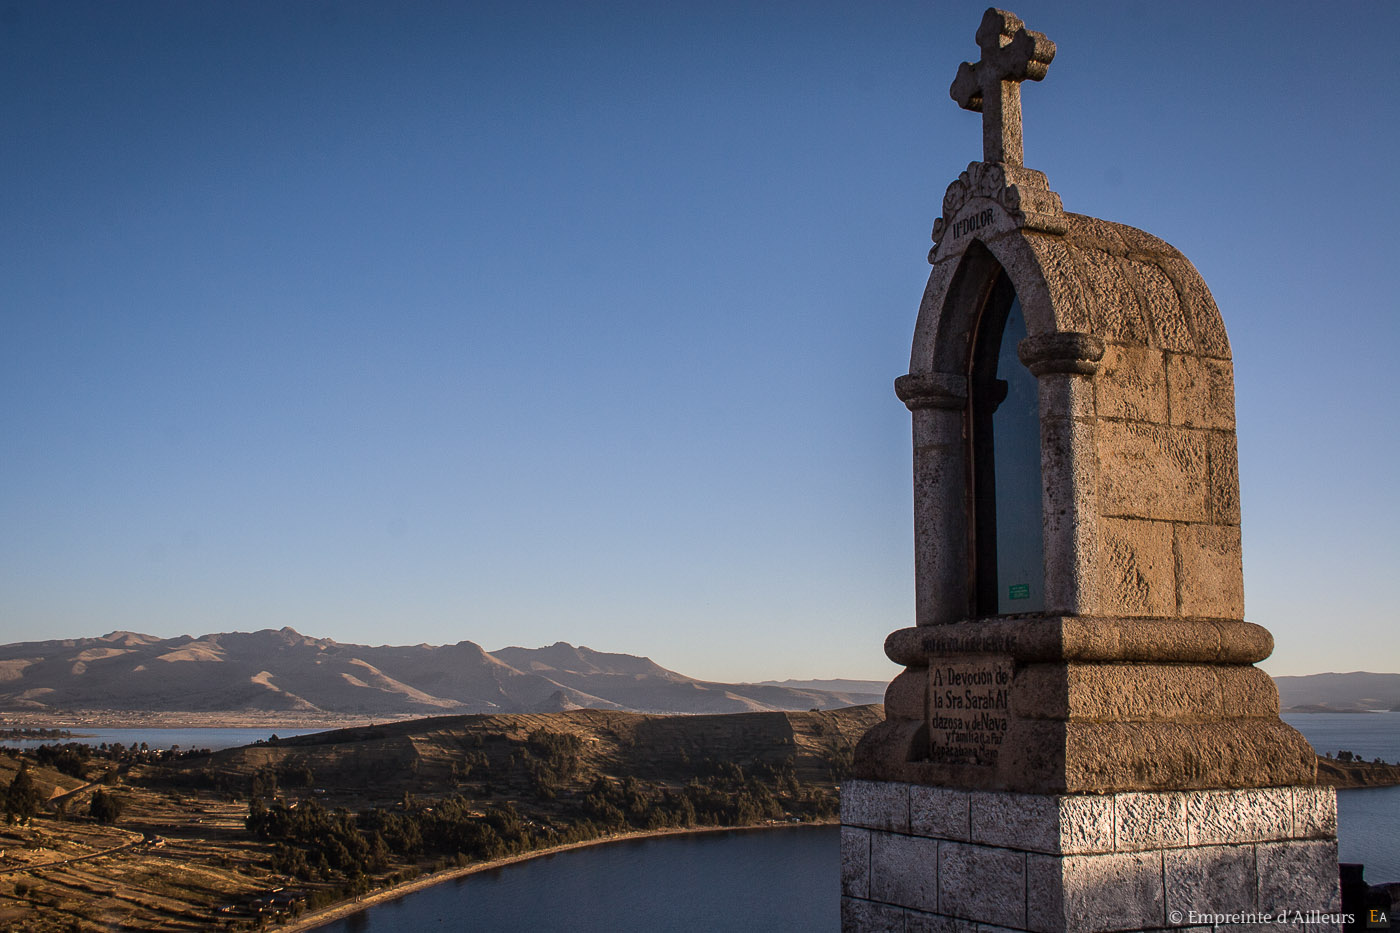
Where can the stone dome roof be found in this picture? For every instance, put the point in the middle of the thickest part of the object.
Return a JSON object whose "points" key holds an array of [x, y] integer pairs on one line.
{"points": [[1073, 274]]}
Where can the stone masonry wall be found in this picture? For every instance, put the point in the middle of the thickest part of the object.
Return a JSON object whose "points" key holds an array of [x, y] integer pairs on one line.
{"points": [[917, 858], [1169, 526]]}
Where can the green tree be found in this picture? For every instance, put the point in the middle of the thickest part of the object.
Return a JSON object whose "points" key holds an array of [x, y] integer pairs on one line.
{"points": [[263, 783], [105, 807], [22, 799]]}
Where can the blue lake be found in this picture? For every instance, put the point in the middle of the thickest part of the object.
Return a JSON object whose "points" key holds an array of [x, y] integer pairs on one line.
{"points": [[784, 880], [1368, 819], [778, 880], [775, 880], [210, 738], [1370, 735]]}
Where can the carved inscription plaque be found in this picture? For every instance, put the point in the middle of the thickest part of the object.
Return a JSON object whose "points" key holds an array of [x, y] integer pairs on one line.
{"points": [[969, 704]]}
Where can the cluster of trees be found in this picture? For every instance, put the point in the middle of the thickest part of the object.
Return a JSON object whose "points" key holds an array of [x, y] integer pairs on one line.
{"points": [[72, 759], [550, 760], [265, 781], [35, 733], [79, 760], [1345, 757], [313, 843], [724, 796], [723, 792], [23, 799], [105, 807]]}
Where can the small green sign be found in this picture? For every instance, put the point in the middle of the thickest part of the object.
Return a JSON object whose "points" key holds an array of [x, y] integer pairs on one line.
{"points": [[1020, 591]]}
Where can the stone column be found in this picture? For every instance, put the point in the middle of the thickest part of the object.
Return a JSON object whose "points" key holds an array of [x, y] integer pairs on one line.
{"points": [[938, 402], [1064, 364]]}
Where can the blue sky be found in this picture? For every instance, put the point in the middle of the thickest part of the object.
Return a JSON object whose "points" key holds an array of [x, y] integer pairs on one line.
{"points": [[520, 322]]}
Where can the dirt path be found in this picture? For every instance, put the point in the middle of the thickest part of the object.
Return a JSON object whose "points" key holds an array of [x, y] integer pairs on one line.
{"points": [[139, 839], [346, 908]]}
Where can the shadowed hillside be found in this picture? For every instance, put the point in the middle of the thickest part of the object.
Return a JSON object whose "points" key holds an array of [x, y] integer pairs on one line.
{"points": [[430, 755]]}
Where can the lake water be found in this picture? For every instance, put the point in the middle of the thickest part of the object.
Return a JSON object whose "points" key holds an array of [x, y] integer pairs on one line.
{"points": [[770, 880], [1368, 819], [779, 880], [1368, 830], [212, 739], [785, 879], [1370, 735]]}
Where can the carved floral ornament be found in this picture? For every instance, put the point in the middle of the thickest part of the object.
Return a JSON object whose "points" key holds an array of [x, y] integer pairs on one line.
{"points": [[1023, 194]]}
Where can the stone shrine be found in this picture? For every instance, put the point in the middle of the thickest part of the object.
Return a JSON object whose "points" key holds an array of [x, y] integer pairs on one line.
{"points": [[1080, 739]]}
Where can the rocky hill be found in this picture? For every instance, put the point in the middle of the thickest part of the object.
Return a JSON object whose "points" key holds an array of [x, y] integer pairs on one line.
{"points": [[285, 670], [423, 755]]}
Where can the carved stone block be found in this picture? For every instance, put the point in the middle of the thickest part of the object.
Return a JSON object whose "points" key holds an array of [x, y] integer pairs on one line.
{"points": [[876, 805], [1299, 876], [1224, 472], [870, 917], [1211, 880], [1151, 471], [1137, 569], [940, 812], [1210, 571], [855, 861], [982, 883], [1233, 816], [1113, 892], [1132, 384], [1314, 813], [1202, 392], [1149, 821], [904, 870]]}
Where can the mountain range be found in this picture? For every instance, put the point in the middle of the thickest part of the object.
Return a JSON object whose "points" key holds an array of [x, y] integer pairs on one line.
{"points": [[283, 670]]}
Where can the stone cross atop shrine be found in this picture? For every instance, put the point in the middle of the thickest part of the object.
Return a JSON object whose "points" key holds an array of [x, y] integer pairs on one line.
{"points": [[1010, 54]]}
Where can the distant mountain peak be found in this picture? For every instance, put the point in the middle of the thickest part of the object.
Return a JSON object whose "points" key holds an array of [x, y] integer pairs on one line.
{"points": [[128, 639], [564, 657]]}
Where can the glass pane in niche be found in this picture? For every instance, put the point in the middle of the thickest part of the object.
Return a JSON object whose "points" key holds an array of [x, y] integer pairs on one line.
{"points": [[1016, 452]]}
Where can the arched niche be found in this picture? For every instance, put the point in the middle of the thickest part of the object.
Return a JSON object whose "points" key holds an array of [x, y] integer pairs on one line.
{"points": [[1133, 370], [1002, 424], [1139, 521], [987, 521]]}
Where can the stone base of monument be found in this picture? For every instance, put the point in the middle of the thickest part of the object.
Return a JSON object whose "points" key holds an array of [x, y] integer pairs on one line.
{"points": [[957, 861]]}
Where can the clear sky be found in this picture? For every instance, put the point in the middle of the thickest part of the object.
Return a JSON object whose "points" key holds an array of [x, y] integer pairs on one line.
{"points": [[521, 322]]}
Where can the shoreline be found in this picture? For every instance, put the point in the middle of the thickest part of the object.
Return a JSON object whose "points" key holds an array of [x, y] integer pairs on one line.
{"points": [[366, 901], [150, 719]]}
